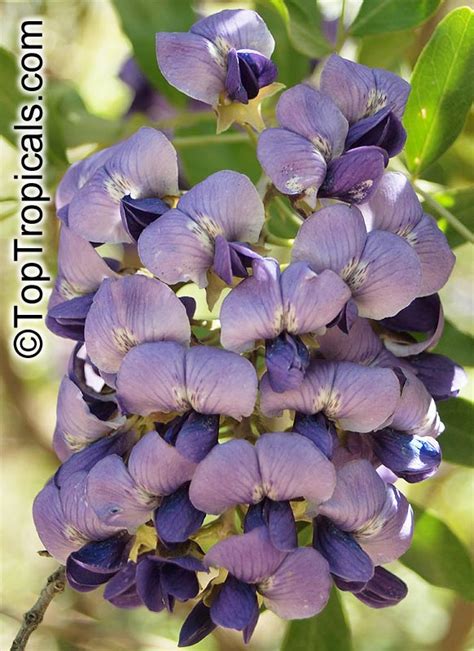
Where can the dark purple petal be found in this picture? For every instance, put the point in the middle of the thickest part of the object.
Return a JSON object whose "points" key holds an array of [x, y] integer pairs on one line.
{"points": [[121, 582], [176, 518], [137, 214], [178, 582], [197, 625], [442, 377], [222, 265], [108, 555], [240, 80], [67, 319], [281, 525], [255, 65], [384, 589], [287, 359], [354, 176], [412, 458], [148, 580], [235, 604], [83, 580], [318, 429], [197, 436], [229, 475], [383, 129], [313, 115], [345, 556], [300, 586]]}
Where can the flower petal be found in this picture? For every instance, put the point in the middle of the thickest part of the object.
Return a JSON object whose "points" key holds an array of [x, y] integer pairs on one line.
{"points": [[436, 258], [414, 458], [313, 115], [229, 475], [157, 467], [292, 162], [249, 557], [292, 466], [241, 29], [192, 64], [300, 586], [235, 604], [148, 584], [442, 377], [176, 518], [359, 496], [197, 625], [152, 378], [253, 310], [361, 344], [384, 589], [416, 411], [206, 391], [354, 176], [281, 525], [131, 311], [393, 206]]}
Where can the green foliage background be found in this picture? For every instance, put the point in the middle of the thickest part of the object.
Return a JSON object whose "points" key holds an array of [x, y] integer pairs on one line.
{"points": [[431, 43]]}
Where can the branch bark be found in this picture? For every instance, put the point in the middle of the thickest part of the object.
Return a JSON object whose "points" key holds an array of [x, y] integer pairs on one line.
{"points": [[33, 618]]}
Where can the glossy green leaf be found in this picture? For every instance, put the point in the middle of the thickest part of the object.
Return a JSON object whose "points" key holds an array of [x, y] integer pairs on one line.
{"points": [[457, 345], [461, 204], [442, 90], [141, 20], [305, 28], [10, 96], [438, 556], [380, 16], [457, 441], [328, 631]]}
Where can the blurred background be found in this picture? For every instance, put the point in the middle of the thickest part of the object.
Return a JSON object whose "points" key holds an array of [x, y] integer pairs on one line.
{"points": [[86, 45]]}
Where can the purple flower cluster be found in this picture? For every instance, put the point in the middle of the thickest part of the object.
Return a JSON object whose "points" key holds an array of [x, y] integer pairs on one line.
{"points": [[258, 472]]}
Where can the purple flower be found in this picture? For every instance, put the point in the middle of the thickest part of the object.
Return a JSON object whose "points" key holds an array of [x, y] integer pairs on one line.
{"points": [[155, 582], [278, 307], [394, 207], [223, 60], [89, 196], [207, 230], [356, 397], [371, 99], [364, 524], [64, 519], [146, 99], [305, 155], [80, 272], [127, 312], [384, 589], [279, 468], [381, 269]]}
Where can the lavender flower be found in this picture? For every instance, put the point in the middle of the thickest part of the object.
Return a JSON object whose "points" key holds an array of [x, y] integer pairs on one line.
{"points": [[305, 156], [224, 61], [209, 230]]}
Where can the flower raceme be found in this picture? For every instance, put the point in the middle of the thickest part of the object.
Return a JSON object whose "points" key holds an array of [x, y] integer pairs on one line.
{"points": [[246, 456]]}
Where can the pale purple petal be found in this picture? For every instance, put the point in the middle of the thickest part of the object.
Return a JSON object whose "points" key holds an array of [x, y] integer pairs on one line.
{"points": [[152, 378], [253, 310], [192, 64], [424, 314], [416, 411], [241, 29], [387, 277], [393, 206], [361, 344], [250, 557], [390, 537], [229, 475], [300, 586], [131, 311], [115, 496], [76, 425], [442, 377], [292, 466], [436, 258], [158, 467], [359, 496], [354, 176], [143, 166], [310, 300], [226, 203], [314, 116], [394, 87], [176, 249], [332, 239], [208, 393], [291, 161]]}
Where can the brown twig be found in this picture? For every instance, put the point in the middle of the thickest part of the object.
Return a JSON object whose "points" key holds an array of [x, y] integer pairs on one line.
{"points": [[33, 618]]}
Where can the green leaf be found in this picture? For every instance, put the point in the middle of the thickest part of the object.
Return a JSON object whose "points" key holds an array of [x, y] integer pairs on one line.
{"points": [[442, 90], [460, 203], [380, 16], [10, 96], [385, 50], [457, 345], [305, 28], [457, 441], [438, 556], [327, 631], [141, 20]]}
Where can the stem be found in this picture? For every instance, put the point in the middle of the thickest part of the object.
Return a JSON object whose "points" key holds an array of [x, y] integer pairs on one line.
{"points": [[209, 139], [446, 214], [287, 212], [341, 32], [33, 618], [251, 134], [186, 119]]}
